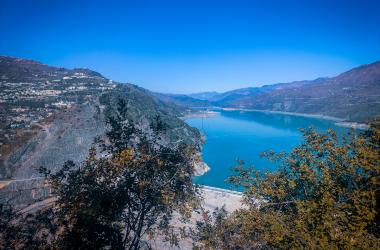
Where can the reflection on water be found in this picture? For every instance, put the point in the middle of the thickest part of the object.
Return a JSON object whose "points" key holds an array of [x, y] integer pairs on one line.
{"points": [[244, 135]]}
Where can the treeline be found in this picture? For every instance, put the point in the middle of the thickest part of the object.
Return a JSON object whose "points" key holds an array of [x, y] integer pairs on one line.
{"points": [[325, 195]]}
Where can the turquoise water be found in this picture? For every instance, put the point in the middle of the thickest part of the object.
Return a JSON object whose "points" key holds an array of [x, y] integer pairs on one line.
{"points": [[234, 135]]}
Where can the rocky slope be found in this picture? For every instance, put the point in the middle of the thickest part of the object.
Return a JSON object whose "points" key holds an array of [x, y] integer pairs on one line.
{"points": [[51, 115]]}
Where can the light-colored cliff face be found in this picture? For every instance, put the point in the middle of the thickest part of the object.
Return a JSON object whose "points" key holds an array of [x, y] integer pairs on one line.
{"points": [[68, 137], [200, 168]]}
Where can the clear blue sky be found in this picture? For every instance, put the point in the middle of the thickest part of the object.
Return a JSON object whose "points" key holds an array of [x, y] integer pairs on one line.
{"points": [[189, 46]]}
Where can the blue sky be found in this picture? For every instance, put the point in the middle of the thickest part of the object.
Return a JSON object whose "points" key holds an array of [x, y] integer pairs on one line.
{"points": [[190, 46]]}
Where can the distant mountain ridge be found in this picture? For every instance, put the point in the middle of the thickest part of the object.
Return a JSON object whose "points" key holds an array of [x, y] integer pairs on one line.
{"points": [[204, 95], [352, 96]]}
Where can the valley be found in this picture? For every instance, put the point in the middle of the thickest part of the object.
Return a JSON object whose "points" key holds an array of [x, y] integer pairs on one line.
{"points": [[352, 96], [54, 115]]}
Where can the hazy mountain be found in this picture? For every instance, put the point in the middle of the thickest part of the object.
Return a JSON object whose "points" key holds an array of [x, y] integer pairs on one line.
{"points": [[204, 99], [237, 94], [181, 100], [204, 95], [352, 96]]}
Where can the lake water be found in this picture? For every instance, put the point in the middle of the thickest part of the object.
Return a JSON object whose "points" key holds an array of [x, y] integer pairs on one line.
{"points": [[234, 135]]}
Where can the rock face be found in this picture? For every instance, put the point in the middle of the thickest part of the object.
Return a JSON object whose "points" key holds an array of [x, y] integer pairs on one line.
{"points": [[201, 168], [68, 137], [23, 192], [32, 96]]}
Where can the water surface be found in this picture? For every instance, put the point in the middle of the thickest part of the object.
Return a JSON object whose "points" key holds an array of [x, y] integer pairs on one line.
{"points": [[234, 135]]}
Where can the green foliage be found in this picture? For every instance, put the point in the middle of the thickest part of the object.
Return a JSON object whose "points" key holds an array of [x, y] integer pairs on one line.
{"points": [[25, 231], [326, 196], [128, 188]]}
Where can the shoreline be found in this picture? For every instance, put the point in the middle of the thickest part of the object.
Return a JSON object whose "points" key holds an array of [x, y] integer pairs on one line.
{"points": [[221, 190], [218, 197], [207, 114], [338, 121], [354, 125], [325, 117]]}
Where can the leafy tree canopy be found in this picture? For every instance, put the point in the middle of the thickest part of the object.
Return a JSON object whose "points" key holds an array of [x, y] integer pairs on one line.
{"points": [[325, 196], [128, 188]]}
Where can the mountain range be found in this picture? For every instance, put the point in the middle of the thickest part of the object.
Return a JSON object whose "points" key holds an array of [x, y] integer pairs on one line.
{"points": [[351, 96]]}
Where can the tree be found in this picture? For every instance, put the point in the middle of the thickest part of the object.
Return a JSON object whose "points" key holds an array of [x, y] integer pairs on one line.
{"points": [[325, 196], [129, 186], [25, 231]]}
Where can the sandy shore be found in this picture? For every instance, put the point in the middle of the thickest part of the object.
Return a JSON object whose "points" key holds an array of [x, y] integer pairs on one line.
{"points": [[217, 197], [354, 125], [212, 198], [201, 114]]}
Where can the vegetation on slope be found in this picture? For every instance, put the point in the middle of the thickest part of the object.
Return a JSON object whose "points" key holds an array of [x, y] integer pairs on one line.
{"points": [[128, 187], [326, 196], [138, 174]]}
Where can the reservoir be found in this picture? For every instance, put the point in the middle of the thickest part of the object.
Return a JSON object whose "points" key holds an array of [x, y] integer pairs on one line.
{"points": [[243, 135]]}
